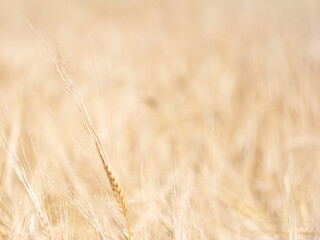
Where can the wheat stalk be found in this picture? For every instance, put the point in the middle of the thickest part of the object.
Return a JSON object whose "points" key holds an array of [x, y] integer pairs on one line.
{"points": [[4, 234], [88, 125], [24, 174]]}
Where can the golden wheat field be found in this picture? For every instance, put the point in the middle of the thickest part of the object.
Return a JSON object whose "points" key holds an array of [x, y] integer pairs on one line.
{"points": [[162, 120]]}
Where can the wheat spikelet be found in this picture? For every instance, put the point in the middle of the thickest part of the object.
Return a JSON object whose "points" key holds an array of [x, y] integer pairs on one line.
{"points": [[44, 221], [88, 125]]}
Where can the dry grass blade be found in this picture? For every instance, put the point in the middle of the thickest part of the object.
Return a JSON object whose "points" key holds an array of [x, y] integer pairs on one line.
{"points": [[73, 92]]}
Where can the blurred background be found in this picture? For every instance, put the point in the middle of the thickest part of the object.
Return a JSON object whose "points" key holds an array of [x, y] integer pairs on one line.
{"points": [[208, 110]]}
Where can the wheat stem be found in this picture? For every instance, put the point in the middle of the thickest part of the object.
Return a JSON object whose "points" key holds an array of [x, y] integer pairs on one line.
{"points": [[128, 225]]}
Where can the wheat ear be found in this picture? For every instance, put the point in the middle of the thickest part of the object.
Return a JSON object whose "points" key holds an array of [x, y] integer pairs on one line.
{"points": [[73, 93]]}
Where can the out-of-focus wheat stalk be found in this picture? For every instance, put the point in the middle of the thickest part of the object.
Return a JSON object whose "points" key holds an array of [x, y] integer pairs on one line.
{"points": [[24, 174], [4, 234], [87, 215], [68, 82]]}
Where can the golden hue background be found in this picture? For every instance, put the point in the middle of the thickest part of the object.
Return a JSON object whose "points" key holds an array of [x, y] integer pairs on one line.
{"points": [[208, 110]]}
